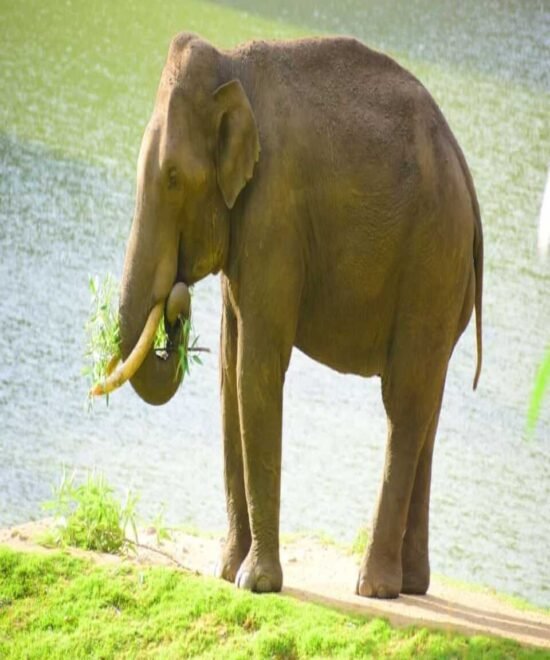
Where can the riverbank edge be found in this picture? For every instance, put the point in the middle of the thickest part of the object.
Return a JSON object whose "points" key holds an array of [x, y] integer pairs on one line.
{"points": [[319, 570]]}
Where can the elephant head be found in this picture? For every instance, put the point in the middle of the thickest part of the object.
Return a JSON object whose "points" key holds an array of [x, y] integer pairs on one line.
{"points": [[197, 153]]}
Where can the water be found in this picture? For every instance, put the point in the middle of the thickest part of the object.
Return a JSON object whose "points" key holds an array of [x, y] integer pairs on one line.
{"points": [[76, 99]]}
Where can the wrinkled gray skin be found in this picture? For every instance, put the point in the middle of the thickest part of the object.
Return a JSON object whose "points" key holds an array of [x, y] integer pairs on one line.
{"points": [[322, 181]]}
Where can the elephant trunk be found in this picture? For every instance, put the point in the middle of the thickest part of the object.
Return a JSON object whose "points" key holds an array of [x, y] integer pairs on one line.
{"points": [[146, 286]]}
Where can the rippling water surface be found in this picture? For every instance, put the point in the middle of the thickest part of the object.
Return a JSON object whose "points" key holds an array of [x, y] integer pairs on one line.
{"points": [[79, 83]]}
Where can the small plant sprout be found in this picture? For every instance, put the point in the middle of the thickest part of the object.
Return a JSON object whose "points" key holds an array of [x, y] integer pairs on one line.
{"points": [[162, 533]]}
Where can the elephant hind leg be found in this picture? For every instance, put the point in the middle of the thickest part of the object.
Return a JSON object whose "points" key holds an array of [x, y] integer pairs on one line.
{"points": [[415, 559], [412, 391]]}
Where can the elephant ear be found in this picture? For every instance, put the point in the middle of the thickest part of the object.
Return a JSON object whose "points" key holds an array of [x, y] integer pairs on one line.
{"points": [[238, 142]]}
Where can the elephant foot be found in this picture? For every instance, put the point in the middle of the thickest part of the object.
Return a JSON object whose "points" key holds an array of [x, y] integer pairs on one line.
{"points": [[232, 556], [415, 585], [416, 574], [379, 579], [260, 574]]}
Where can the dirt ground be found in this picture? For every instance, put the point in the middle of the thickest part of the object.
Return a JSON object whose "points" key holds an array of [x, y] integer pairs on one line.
{"points": [[323, 573]]}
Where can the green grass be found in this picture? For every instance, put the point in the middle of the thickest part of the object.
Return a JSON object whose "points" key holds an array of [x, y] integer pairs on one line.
{"points": [[57, 606], [89, 516]]}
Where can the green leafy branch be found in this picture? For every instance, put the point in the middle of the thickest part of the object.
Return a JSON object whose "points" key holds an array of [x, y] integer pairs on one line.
{"points": [[102, 330], [103, 349], [541, 386]]}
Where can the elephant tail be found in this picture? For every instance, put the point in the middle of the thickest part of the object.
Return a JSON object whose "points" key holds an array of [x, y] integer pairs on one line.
{"points": [[478, 270], [477, 255]]}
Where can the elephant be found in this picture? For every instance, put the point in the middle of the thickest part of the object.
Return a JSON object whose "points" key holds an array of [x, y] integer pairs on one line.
{"points": [[320, 179]]}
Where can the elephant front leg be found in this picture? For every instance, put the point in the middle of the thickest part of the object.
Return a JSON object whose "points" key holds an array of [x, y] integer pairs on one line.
{"points": [[237, 543], [260, 404]]}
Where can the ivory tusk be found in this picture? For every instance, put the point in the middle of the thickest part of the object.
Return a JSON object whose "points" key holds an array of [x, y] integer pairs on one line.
{"points": [[111, 365], [133, 362]]}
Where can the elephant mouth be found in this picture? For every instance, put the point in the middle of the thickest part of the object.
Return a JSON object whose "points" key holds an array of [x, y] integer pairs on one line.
{"points": [[170, 344], [177, 309], [173, 308]]}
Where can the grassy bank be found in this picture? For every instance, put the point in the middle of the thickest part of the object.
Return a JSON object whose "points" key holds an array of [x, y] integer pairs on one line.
{"points": [[57, 606]]}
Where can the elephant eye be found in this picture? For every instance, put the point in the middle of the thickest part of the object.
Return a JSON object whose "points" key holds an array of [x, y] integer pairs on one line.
{"points": [[172, 178]]}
